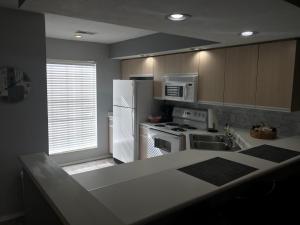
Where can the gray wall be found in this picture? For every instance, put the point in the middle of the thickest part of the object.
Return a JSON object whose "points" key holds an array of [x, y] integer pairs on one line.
{"points": [[154, 44], [288, 124], [23, 126], [107, 70]]}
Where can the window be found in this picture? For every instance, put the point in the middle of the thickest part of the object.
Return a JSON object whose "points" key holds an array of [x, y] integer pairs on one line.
{"points": [[72, 106]]}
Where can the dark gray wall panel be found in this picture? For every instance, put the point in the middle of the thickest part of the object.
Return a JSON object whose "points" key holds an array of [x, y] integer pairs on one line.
{"points": [[154, 43], [23, 125]]}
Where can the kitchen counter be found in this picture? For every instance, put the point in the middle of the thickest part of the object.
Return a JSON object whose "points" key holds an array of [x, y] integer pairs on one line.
{"points": [[62, 193], [241, 135], [136, 192]]}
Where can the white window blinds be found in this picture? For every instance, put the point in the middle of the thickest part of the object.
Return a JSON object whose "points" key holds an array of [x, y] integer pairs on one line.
{"points": [[72, 106]]}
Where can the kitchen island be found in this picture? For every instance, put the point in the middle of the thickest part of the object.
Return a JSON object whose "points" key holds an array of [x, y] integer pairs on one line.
{"points": [[138, 192]]}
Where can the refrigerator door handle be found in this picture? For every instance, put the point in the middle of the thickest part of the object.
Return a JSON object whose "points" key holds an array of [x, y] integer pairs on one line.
{"points": [[133, 95], [132, 128]]}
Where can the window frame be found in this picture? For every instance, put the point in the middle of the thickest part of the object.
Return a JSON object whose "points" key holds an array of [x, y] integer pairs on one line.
{"points": [[80, 155]]}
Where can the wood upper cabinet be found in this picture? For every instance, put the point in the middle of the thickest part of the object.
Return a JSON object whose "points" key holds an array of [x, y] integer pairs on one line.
{"points": [[276, 67], [182, 63], [140, 66], [211, 75], [176, 63], [241, 75]]}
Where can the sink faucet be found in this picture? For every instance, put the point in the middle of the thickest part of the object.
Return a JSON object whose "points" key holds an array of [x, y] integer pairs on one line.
{"points": [[227, 129], [229, 138]]}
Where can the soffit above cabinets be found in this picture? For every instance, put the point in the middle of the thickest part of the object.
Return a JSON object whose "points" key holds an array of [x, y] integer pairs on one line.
{"points": [[64, 27]]}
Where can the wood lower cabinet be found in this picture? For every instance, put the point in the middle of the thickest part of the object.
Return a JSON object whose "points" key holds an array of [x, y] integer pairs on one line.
{"points": [[183, 63], [276, 75], [241, 75], [211, 76], [133, 67]]}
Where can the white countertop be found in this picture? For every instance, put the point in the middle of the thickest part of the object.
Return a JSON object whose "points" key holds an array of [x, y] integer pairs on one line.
{"points": [[139, 199], [134, 192], [143, 189], [62, 193]]}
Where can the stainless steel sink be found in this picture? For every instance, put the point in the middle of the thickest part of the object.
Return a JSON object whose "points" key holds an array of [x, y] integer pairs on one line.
{"points": [[213, 142], [209, 145], [208, 138]]}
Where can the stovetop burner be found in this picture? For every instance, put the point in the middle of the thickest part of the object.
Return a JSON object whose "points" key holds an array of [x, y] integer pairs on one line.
{"points": [[178, 129], [186, 126], [159, 125], [172, 124]]}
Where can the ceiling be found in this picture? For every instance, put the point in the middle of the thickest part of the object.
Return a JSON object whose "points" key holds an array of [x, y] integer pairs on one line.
{"points": [[215, 20], [63, 27]]}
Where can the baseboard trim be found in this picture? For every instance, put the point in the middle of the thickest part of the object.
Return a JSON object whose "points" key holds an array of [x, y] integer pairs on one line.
{"points": [[12, 216]]}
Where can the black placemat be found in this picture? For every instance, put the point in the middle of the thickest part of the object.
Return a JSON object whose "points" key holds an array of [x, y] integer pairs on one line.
{"points": [[271, 153], [217, 171]]}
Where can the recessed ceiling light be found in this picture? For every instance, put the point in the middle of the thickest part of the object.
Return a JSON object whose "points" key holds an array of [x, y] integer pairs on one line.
{"points": [[247, 33], [78, 36], [178, 16]]}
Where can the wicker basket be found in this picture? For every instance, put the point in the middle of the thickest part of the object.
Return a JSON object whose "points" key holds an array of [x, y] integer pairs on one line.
{"points": [[263, 134]]}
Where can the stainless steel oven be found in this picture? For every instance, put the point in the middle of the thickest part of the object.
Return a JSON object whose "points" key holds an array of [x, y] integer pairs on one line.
{"points": [[162, 143], [180, 87]]}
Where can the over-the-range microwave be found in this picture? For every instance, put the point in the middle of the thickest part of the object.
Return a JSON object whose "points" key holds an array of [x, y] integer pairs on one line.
{"points": [[180, 87]]}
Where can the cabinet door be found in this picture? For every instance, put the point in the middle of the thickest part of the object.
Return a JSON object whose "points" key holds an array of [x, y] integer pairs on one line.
{"points": [[211, 75], [110, 138], [143, 147], [240, 75], [141, 66], [176, 63], [183, 63], [144, 143], [276, 74]]}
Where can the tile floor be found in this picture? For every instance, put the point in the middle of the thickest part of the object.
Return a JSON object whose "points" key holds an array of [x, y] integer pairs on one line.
{"points": [[88, 166]]}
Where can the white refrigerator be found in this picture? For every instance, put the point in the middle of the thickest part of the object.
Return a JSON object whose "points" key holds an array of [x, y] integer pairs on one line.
{"points": [[132, 104]]}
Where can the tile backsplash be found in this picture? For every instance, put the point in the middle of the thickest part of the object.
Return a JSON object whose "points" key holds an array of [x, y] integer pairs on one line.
{"points": [[288, 124]]}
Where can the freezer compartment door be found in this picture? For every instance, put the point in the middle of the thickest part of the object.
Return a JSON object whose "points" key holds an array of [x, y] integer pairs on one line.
{"points": [[124, 93], [124, 138]]}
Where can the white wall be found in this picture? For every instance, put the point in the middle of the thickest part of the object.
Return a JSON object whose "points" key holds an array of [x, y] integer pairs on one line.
{"points": [[23, 126], [107, 70]]}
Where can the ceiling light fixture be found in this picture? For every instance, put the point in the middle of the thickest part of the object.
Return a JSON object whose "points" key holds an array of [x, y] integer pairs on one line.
{"points": [[178, 17], [78, 36], [247, 33]]}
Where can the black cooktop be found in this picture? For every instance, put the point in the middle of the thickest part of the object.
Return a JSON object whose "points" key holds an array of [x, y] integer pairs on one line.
{"points": [[172, 124], [178, 129], [186, 126], [271, 153], [218, 171]]}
